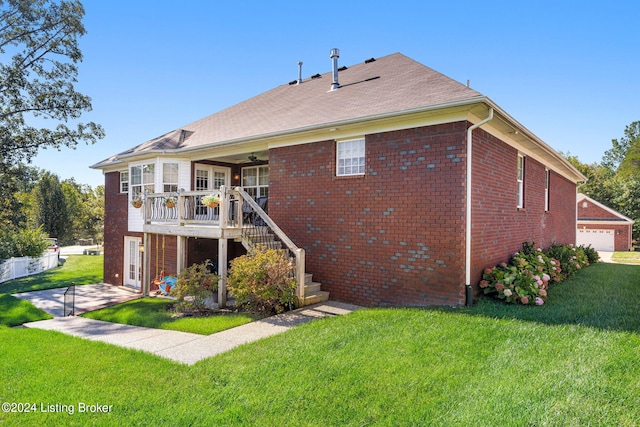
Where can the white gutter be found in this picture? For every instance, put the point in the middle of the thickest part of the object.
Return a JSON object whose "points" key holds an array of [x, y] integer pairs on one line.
{"points": [[469, 295]]}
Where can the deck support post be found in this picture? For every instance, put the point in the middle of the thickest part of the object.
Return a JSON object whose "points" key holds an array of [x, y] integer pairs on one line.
{"points": [[182, 254], [146, 264], [222, 273]]}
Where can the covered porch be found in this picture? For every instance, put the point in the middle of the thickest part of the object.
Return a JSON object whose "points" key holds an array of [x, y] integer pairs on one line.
{"points": [[235, 217]]}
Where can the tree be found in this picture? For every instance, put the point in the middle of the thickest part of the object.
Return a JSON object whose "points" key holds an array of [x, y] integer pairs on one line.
{"points": [[38, 56], [601, 184], [85, 208], [17, 182], [624, 155], [51, 208]]}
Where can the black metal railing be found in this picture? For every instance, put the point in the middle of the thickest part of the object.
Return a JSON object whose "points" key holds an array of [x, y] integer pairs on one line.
{"points": [[69, 305]]}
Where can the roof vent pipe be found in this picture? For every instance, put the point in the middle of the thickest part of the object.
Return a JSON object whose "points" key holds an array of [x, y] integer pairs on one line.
{"points": [[335, 54], [299, 72]]}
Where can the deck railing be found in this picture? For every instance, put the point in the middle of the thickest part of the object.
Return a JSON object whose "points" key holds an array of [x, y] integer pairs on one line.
{"points": [[186, 207]]}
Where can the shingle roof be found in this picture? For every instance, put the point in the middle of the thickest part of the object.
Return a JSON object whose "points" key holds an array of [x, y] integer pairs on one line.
{"points": [[393, 83]]}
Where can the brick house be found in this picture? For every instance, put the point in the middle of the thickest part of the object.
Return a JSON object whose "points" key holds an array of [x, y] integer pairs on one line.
{"points": [[361, 174], [602, 227]]}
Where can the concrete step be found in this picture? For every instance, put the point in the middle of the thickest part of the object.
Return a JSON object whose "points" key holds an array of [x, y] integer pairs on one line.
{"points": [[308, 278]]}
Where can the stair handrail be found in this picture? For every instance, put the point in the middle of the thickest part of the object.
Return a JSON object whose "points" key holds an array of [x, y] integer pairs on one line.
{"points": [[298, 252]]}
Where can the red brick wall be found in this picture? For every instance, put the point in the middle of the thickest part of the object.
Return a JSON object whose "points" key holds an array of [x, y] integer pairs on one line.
{"points": [[622, 241], [593, 211], [499, 227], [115, 228], [394, 236], [163, 255]]}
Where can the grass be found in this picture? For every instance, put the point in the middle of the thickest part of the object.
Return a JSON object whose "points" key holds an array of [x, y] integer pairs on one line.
{"points": [[626, 257], [156, 313], [572, 362], [82, 270]]}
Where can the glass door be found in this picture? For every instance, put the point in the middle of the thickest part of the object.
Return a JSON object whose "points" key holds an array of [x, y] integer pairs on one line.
{"points": [[209, 178], [132, 262]]}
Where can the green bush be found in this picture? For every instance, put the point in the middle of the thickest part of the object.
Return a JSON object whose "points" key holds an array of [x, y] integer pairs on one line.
{"points": [[526, 278], [22, 242], [592, 254], [195, 284], [263, 280], [572, 258]]}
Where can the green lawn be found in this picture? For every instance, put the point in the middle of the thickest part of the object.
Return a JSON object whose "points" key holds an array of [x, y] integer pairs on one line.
{"points": [[156, 313], [80, 269], [626, 257], [83, 270], [572, 362]]}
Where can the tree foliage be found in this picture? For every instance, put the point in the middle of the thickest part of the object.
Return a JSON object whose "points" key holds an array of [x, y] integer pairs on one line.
{"points": [[624, 155], [615, 181], [38, 56], [52, 211]]}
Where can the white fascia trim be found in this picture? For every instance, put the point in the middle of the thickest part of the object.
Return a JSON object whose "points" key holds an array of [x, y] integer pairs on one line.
{"points": [[604, 222]]}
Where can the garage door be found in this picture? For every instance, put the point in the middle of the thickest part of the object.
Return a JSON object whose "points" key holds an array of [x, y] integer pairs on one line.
{"points": [[600, 240]]}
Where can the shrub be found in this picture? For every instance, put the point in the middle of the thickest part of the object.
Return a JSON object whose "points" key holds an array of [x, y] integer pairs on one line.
{"points": [[195, 284], [263, 280], [572, 258], [22, 242], [592, 254], [526, 278]]}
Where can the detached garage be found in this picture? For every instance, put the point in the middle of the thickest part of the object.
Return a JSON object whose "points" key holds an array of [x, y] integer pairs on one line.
{"points": [[602, 227]]}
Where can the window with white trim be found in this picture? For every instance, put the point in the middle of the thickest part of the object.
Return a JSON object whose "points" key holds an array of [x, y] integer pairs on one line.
{"points": [[124, 181], [350, 157], [255, 181], [547, 176], [169, 177], [520, 181], [142, 178]]}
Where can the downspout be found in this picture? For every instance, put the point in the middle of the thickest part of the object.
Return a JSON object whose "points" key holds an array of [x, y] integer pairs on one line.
{"points": [[468, 289]]}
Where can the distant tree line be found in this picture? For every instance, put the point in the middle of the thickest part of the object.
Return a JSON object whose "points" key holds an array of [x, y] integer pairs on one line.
{"points": [[37, 204], [615, 181]]}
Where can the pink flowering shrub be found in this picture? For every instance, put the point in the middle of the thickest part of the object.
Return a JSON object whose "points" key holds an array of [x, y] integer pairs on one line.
{"points": [[527, 276]]}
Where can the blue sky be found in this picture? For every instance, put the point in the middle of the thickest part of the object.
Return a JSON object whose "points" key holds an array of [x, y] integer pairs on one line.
{"points": [[567, 70]]}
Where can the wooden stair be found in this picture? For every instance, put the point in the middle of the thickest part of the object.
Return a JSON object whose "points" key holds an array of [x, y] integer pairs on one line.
{"points": [[312, 290]]}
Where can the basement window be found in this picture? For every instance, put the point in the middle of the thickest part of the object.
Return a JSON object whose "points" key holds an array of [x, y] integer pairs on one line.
{"points": [[350, 158]]}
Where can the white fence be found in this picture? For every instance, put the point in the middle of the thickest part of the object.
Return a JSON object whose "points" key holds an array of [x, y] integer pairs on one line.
{"points": [[27, 266]]}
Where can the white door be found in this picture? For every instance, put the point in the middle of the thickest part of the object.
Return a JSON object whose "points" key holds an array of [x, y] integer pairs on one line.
{"points": [[132, 262], [600, 240], [209, 178]]}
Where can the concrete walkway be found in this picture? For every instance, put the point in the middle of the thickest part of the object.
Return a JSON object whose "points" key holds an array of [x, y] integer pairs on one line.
{"points": [[87, 298], [184, 347]]}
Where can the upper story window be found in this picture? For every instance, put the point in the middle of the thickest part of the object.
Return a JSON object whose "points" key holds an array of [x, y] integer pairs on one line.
{"points": [[255, 181], [350, 158], [142, 178], [124, 181], [169, 177], [547, 177], [520, 181]]}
